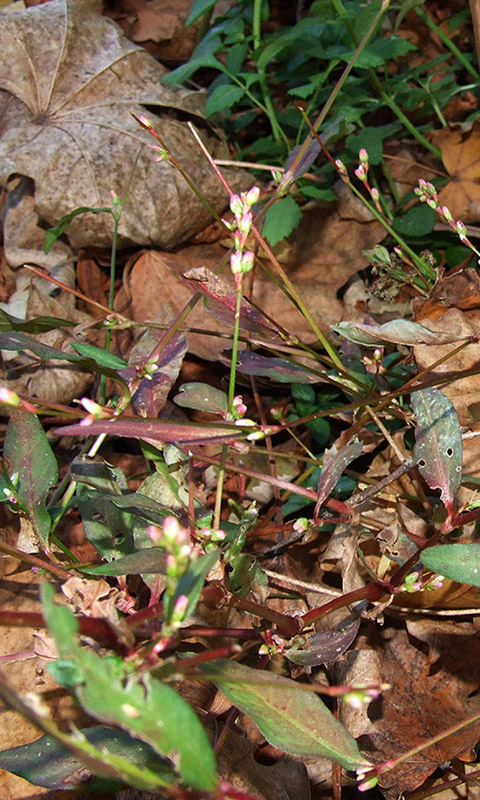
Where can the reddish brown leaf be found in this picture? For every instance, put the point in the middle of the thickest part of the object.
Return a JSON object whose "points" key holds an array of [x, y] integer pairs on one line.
{"points": [[429, 694]]}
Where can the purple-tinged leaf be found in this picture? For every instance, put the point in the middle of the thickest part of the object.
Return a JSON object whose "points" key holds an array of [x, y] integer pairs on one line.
{"points": [[220, 300], [160, 431], [97, 762], [459, 562], [279, 369], [29, 455], [397, 331], [202, 397], [305, 162], [438, 443], [46, 762], [324, 647], [335, 463], [294, 720], [150, 394]]}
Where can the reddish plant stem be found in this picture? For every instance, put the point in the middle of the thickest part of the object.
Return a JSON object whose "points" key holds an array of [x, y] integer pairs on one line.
{"points": [[93, 627], [35, 561], [145, 615], [372, 592], [186, 664], [287, 626], [235, 633]]}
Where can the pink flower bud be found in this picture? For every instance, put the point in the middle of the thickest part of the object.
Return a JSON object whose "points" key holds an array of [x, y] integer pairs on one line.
{"points": [[251, 197]]}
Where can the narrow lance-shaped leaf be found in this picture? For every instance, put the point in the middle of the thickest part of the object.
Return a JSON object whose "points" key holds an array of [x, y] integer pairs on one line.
{"points": [[291, 719], [397, 331], [459, 562], [48, 763], [107, 689], [30, 456], [438, 443], [334, 463], [99, 762], [220, 301]]}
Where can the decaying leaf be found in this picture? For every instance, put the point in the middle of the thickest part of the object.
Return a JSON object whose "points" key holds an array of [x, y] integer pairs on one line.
{"points": [[438, 443], [428, 695], [69, 81], [461, 157]]}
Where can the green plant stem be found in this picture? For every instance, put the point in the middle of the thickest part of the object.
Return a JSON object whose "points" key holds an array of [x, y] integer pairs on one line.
{"points": [[111, 298], [236, 330], [390, 102], [278, 134], [220, 481], [449, 44], [289, 175], [416, 261]]}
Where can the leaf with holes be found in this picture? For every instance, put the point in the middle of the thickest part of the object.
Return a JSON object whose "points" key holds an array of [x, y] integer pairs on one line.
{"points": [[438, 443]]}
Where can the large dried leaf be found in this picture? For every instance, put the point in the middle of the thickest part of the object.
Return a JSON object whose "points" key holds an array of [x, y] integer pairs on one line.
{"points": [[461, 157], [430, 693], [71, 81]]}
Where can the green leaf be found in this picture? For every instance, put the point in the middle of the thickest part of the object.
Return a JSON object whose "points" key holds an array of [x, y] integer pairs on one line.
{"points": [[149, 561], [438, 443], [98, 762], [191, 584], [53, 234], [202, 397], [198, 8], [223, 97], [417, 221], [141, 705], [107, 527], [101, 357], [29, 454], [202, 57], [36, 325], [294, 720], [48, 763], [281, 219], [459, 562]]}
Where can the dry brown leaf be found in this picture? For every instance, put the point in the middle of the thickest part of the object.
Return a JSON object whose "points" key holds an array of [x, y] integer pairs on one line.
{"points": [[464, 391], [326, 251], [430, 692], [70, 82], [461, 157]]}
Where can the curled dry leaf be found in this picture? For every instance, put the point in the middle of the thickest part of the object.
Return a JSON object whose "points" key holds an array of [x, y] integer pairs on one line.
{"points": [[69, 82]]}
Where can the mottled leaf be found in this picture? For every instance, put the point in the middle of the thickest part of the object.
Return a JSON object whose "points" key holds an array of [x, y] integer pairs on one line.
{"points": [[149, 561], [324, 647], [220, 300], [459, 562], [151, 391], [335, 463], [294, 720], [438, 443], [397, 331], [29, 454], [98, 762]]}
